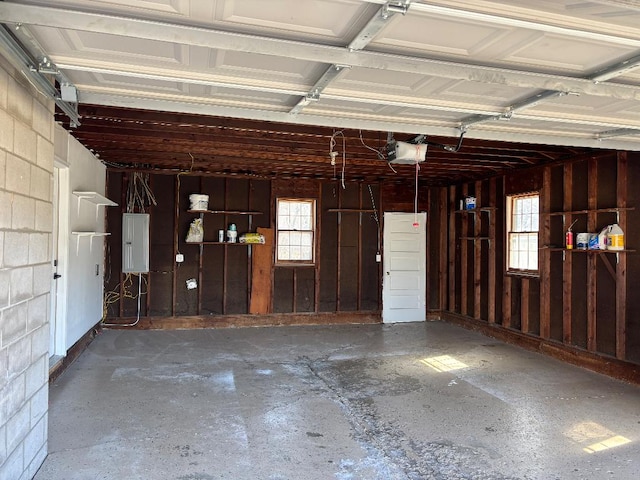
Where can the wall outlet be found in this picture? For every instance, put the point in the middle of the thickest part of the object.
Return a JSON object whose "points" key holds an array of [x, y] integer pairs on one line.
{"points": [[378, 257], [179, 258]]}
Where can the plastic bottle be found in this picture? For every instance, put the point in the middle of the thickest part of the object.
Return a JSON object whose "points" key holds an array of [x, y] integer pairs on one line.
{"points": [[569, 240], [568, 243], [615, 240]]}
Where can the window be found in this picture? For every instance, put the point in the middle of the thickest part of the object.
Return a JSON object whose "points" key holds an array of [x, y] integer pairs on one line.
{"points": [[295, 221], [522, 230]]}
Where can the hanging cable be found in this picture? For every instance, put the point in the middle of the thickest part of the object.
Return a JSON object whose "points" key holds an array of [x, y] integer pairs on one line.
{"points": [[378, 152], [416, 224], [332, 154], [115, 296], [375, 217]]}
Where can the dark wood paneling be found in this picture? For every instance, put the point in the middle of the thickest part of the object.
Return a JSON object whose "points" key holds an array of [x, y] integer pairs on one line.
{"points": [[523, 182], [305, 290], [329, 249], [161, 258], [283, 287], [369, 268], [555, 299], [631, 235], [113, 260], [578, 300], [187, 300]]}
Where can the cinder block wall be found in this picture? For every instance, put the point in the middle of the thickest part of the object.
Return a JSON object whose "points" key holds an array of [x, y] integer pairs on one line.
{"points": [[26, 173]]}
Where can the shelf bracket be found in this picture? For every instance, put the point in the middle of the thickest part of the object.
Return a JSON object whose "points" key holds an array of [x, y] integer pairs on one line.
{"points": [[607, 264]]}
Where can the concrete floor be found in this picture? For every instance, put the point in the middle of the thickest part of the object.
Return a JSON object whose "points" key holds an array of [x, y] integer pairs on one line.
{"points": [[340, 402]]}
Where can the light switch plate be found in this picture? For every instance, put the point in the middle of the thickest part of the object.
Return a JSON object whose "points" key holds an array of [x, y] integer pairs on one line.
{"points": [[179, 258]]}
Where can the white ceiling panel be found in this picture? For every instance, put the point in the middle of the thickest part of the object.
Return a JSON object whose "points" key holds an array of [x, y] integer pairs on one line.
{"points": [[441, 66]]}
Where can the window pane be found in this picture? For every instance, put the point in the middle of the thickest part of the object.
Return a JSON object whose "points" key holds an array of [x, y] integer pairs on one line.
{"points": [[306, 239], [306, 253], [295, 225], [283, 252], [523, 236], [283, 238]]}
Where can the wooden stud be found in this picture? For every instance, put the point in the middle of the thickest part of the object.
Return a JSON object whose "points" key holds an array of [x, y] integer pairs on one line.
{"points": [[200, 264], [380, 207], [262, 261], [316, 245], [225, 256], [176, 219], [545, 255], [359, 260], [477, 256], [621, 269], [491, 287], [338, 249], [452, 249], [567, 336], [444, 239], [506, 302], [295, 290], [592, 184], [524, 305], [464, 271]]}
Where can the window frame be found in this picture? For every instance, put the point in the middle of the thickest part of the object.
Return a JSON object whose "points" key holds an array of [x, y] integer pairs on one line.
{"points": [[313, 231], [509, 232]]}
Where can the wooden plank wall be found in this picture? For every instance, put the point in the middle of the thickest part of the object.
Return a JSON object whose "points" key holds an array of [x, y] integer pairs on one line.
{"points": [[346, 277], [581, 300]]}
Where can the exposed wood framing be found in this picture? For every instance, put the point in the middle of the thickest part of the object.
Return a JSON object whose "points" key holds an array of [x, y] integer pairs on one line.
{"points": [[452, 249], [506, 301], [524, 305], [621, 268], [444, 241], [491, 287], [567, 336], [477, 254], [592, 292], [545, 255], [464, 248]]}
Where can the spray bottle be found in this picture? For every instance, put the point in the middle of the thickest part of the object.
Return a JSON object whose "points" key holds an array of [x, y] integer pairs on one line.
{"points": [[569, 236]]}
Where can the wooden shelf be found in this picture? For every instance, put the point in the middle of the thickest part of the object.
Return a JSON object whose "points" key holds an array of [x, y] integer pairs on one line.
{"points": [[587, 211], [351, 210], [584, 250], [474, 210], [225, 212], [222, 243], [475, 238]]}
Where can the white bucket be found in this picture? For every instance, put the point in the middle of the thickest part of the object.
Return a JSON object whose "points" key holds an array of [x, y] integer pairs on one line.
{"points": [[198, 201]]}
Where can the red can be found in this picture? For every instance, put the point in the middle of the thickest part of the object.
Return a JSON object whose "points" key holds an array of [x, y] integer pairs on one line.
{"points": [[569, 240]]}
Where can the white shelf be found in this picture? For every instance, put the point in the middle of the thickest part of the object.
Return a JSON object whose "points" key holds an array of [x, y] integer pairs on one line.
{"points": [[90, 235], [95, 198]]}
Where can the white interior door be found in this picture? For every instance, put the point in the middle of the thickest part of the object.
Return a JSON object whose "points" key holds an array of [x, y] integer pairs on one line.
{"points": [[59, 248], [405, 267]]}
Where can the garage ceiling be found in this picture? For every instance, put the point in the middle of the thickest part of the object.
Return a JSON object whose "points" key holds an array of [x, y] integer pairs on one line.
{"points": [[178, 84]]}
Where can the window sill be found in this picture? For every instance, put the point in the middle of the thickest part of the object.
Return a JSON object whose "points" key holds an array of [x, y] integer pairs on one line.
{"points": [[522, 273], [294, 264]]}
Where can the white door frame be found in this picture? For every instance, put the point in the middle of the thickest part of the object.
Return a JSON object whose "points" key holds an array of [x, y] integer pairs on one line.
{"points": [[60, 254], [408, 261]]}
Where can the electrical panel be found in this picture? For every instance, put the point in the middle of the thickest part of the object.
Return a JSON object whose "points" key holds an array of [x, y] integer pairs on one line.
{"points": [[135, 243]]}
